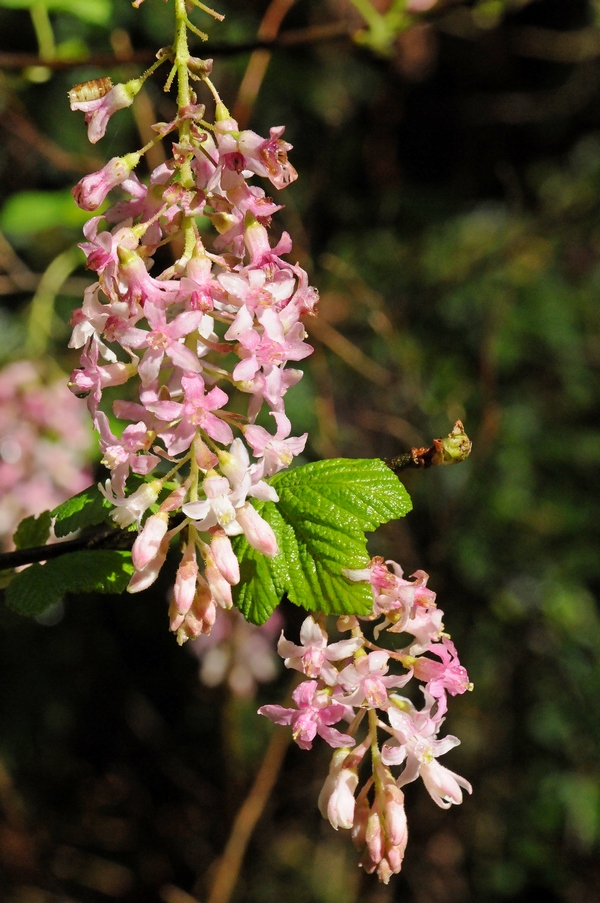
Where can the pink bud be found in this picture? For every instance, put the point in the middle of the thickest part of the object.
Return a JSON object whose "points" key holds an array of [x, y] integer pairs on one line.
{"points": [[224, 556], [146, 576], [200, 618], [219, 587], [374, 837], [146, 546], [361, 818], [395, 822], [91, 190], [336, 800], [257, 531], [185, 581]]}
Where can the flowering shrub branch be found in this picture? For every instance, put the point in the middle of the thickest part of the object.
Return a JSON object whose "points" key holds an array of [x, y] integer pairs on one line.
{"points": [[197, 349]]}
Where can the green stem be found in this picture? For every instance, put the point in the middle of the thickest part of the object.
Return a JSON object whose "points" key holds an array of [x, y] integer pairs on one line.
{"points": [[194, 472], [41, 312], [43, 30]]}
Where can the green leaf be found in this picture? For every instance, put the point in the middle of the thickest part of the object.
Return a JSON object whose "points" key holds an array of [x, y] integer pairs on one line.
{"points": [[320, 520], [33, 531], [29, 212], [40, 586], [97, 12], [83, 510]]}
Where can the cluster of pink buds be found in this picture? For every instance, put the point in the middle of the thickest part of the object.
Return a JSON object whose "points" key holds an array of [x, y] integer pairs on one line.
{"points": [[221, 321], [351, 678]]}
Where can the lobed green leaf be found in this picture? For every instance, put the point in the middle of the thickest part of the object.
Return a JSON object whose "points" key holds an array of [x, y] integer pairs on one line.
{"points": [[320, 520]]}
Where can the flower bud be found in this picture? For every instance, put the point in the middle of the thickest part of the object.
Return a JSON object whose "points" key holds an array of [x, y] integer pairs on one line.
{"points": [[185, 581], [225, 558], [336, 800], [92, 190], [148, 542], [257, 531]]}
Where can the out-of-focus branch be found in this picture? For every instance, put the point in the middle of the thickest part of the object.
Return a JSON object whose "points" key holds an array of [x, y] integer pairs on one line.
{"points": [[348, 351], [259, 60], [229, 866], [21, 127], [557, 46], [330, 31]]}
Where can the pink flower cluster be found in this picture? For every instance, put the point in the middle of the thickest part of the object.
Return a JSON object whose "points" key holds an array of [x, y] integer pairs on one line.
{"points": [[187, 342], [351, 678], [44, 446]]}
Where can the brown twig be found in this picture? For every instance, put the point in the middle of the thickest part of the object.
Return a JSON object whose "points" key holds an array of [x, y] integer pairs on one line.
{"points": [[348, 351], [107, 538], [230, 863], [259, 60]]}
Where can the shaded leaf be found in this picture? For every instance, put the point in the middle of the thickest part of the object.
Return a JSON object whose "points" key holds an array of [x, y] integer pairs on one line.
{"points": [[40, 586], [33, 531], [83, 510]]}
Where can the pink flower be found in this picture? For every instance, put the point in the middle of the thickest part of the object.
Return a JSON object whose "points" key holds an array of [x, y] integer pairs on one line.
{"points": [[444, 786], [268, 157], [237, 652], [193, 414], [277, 452], [366, 682], [121, 456], [272, 347], [99, 110], [394, 597], [217, 508], [92, 378], [163, 338], [45, 436], [446, 675], [131, 509], [315, 715], [415, 740], [313, 657]]}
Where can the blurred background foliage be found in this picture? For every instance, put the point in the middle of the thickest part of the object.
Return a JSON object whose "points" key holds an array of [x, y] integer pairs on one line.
{"points": [[448, 208]]}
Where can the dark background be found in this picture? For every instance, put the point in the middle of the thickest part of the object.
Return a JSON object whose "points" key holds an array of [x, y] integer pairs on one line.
{"points": [[448, 208]]}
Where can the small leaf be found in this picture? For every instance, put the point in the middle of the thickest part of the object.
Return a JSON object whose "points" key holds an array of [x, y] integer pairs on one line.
{"points": [[83, 510], [320, 520], [40, 586], [33, 531]]}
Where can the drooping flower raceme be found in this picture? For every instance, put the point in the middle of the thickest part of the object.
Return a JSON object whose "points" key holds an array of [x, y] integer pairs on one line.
{"points": [[224, 319], [189, 340], [353, 678]]}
